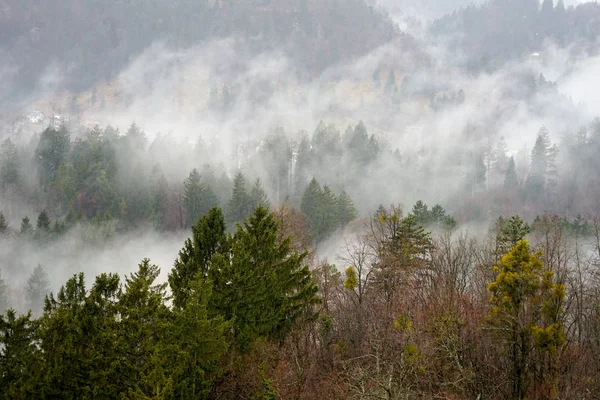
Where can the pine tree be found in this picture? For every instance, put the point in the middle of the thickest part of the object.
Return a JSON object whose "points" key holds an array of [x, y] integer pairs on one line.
{"points": [[258, 195], [144, 326], [77, 336], [43, 222], [240, 204], [18, 356], [345, 209], [310, 200], [38, 286], [26, 227], [421, 213], [192, 197], [509, 233], [9, 165], [262, 284], [208, 238], [52, 150], [543, 169], [3, 225], [201, 341]]}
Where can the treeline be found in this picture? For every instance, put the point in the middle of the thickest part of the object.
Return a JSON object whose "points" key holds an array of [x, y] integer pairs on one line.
{"points": [[405, 314], [127, 180]]}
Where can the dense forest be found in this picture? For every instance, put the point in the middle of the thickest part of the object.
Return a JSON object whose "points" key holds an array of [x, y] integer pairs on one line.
{"points": [[416, 303], [315, 34], [312, 203]]}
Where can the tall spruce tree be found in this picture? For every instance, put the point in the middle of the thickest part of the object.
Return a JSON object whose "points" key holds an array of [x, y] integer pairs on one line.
{"points": [[209, 237], [345, 210], [36, 289], [18, 357], [258, 195], [261, 284], [52, 150], [26, 227], [240, 204], [198, 197], [144, 324], [201, 341], [9, 165], [43, 222]]}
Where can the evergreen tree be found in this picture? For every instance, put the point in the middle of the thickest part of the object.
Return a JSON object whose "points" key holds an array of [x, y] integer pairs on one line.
{"points": [[258, 195], [421, 213], [193, 197], [9, 165], [543, 168], [201, 342], [509, 233], [52, 150], [208, 238], [261, 284], [26, 226], [3, 225], [510, 177], [43, 222], [38, 286], [18, 357], [144, 328], [77, 336], [240, 204], [345, 209], [310, 200]]}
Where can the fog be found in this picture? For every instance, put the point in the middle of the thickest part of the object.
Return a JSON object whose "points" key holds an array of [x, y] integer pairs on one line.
{"points": [[167, 92]]}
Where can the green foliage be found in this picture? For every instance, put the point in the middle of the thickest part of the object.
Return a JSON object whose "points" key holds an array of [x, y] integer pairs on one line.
{"points": [[26, 227], [258, 195], [36, 289], [325, 211], [261, 284], [3, 225], [201, 340], [434, 217], [198, 197], [509, 232], [240, 204], [9, 165], [18, 356], [52, 150], [195, 259]]}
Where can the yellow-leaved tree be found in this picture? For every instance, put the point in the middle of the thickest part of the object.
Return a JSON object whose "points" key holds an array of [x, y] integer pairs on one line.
{"points": [[526, 314]]}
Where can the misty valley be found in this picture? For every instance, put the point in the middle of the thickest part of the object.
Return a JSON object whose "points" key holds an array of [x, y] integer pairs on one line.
{"points": [[299, 199]]}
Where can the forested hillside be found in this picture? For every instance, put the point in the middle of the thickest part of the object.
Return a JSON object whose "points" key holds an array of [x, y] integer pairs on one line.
{"points": [[310, 204], [503, 30], [88, 41]]}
